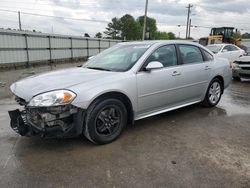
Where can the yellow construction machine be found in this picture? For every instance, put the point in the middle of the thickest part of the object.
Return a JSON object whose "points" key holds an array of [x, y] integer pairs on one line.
{"points": [[221, 35]]}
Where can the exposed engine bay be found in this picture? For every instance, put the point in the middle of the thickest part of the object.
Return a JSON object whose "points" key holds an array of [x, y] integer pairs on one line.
{"points": [[56, 121]]}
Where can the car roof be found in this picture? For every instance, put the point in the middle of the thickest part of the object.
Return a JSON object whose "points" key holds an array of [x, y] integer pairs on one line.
{"points": [[152, 42]]}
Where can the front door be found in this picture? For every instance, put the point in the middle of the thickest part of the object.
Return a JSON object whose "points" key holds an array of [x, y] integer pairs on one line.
{"points": [[156, 89]]}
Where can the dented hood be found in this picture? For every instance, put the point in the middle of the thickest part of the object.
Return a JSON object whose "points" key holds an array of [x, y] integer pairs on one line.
{"points": [[61, 79]]}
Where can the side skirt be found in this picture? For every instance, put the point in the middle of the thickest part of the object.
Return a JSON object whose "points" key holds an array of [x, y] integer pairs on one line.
{"points": [[155, 112]]}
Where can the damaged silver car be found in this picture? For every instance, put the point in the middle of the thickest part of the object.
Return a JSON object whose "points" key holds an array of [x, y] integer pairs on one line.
{"points": [[127, 82]]}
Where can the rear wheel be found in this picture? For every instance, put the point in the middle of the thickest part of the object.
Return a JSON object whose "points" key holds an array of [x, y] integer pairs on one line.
{"points": [[213, 94], [105, 121]]}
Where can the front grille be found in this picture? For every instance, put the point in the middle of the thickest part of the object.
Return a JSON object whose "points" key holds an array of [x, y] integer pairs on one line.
{"points": [[245, 68], [242, 63], [244, 75]]}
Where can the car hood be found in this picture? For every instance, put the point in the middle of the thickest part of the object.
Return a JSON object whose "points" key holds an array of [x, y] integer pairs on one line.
{"points": [[62, 79]]}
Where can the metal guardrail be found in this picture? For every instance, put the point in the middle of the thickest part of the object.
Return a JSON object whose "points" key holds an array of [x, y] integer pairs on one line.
{"points": [[28, 47]]}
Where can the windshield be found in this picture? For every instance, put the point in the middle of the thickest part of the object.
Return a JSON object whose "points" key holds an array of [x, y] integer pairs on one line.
{"points": [[214, 48], [118, 58]]}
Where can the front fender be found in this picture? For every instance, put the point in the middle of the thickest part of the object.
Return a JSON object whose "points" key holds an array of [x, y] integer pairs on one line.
{"points": [[126, 86]]}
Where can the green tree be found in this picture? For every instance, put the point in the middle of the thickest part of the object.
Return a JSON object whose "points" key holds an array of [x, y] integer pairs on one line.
{"points": [[98, 35], [150, 26], [236, 35], [171, 36], [130, 29], [246, 35], [161, 35], [164, 35], [113, 30]]}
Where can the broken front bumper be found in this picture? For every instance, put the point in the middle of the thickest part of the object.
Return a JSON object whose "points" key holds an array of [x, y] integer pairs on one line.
{"points": [[59, 121]]}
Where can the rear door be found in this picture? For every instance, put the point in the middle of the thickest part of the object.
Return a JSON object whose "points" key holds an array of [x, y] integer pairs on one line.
{"points": [[195, 72]]}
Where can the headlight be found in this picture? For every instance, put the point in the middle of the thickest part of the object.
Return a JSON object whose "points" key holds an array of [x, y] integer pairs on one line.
{"points": [[53, 98], [235, 66]]}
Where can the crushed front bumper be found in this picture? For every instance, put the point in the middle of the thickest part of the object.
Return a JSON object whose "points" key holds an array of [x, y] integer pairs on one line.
{"points": [[60, 121]]}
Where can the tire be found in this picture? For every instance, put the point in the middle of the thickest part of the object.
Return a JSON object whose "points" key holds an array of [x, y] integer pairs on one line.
{"points": [[236, 78], [105, 121], [213, 94]]}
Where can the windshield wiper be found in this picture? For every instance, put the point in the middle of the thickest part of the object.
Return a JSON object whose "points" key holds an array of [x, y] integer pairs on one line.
{"points": [[98, 68]]}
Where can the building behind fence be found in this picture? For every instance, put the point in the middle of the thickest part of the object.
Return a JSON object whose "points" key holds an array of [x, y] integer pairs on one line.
{"points": [[18, 47]]}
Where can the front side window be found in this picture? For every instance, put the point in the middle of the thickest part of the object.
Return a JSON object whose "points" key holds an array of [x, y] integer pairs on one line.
{"points": [[190, 54], [165, 55], [119, 58]]}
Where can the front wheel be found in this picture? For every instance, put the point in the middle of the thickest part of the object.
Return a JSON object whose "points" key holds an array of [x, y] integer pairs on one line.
{"points": [[213, 94], [105, 121]]}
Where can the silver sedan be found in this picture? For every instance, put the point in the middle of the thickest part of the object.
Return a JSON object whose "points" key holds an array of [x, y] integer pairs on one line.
{"points": [[128, 82]]}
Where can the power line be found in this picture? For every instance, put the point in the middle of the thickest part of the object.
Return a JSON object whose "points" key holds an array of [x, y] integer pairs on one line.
{"points": [[58, 17]]}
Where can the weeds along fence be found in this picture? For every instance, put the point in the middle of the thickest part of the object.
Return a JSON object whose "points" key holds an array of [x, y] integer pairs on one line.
{"points": [[27, 48]]}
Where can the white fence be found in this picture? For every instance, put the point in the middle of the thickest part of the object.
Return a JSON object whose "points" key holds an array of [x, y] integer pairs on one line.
{"points": [[27, 47]]}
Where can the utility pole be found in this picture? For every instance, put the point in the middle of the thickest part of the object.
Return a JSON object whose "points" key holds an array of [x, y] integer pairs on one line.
{"points": [[19, 20], [145, 20], [189, 29], [188, 15]]}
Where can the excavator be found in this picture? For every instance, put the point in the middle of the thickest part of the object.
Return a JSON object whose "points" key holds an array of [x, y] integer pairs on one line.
{"points": [[221, 35]]}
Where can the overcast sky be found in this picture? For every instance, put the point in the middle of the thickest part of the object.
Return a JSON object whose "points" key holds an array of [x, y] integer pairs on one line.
{"points": [[168, 14]]}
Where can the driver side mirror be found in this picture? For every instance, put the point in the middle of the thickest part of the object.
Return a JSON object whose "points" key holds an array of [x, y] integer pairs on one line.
{"points": [[154, 65], [224, 50]]}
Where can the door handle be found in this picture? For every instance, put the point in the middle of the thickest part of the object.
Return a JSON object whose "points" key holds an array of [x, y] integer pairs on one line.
{"points": [[207, 68], [176, 73]]}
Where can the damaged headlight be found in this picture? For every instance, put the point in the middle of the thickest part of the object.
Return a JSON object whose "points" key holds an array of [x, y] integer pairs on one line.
{"points": [[53, 98]]}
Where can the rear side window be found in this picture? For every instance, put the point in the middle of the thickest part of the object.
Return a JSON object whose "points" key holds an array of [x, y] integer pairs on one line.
{"points": [[190, 54], [207, 55]]}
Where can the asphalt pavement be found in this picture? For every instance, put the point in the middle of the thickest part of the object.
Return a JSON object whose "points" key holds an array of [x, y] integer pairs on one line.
{"points": [[189, 147]]}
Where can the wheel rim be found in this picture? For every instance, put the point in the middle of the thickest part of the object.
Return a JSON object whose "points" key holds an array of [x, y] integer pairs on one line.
{"points": [[108, 121], [214, 92]]}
